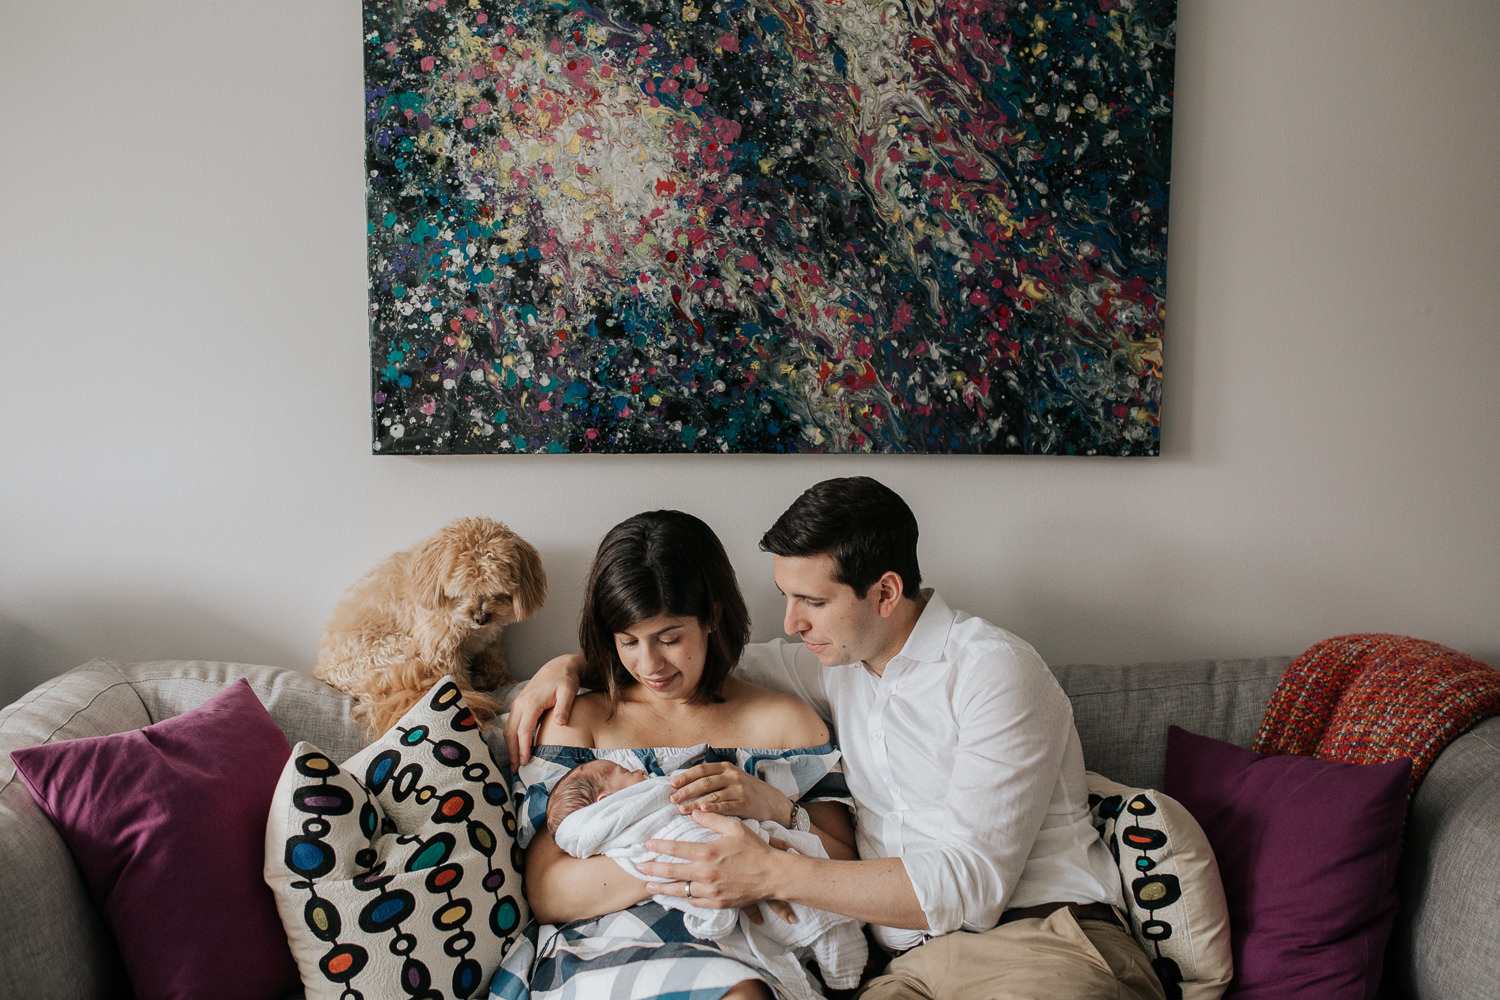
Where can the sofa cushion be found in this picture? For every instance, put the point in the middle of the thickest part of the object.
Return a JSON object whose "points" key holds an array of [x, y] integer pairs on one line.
{"points": [[1446, 941], [1173, 894], [1122, 711], [398, 871], [166, 824], [1307, 849]]}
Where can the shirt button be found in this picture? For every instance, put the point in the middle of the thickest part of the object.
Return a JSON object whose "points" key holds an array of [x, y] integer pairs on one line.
{"points": [[895, 789], [877, 736], [885, 689], [894, 817]]}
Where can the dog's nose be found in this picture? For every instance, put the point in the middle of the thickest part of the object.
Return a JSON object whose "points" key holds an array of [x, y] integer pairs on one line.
{"points": [[481, 618]]}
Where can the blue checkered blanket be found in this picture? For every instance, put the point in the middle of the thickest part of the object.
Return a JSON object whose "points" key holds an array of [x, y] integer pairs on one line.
{"points": [[645, 952]]}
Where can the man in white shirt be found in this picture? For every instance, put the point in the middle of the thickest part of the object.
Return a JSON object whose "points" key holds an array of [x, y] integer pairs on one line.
{"points": [[980, 872]]}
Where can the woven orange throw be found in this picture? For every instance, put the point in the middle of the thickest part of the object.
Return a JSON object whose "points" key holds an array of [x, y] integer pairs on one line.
{"points": [[1371, 698]]}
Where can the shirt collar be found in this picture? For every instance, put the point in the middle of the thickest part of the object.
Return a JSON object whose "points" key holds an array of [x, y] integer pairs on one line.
{"points": [[929, 637]]}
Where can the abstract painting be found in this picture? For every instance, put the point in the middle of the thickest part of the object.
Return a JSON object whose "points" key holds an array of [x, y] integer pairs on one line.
{"points": [[730, 226]]}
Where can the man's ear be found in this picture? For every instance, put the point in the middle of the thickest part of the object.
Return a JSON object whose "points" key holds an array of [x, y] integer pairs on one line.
{"points": [[890, 589]]}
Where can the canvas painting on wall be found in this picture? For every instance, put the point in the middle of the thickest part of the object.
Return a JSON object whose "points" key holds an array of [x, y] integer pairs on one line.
{"points": [[931, 226]]}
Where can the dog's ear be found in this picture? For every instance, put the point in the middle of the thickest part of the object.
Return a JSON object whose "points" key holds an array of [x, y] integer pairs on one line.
{"points": [[530, 590], [430, 565]]}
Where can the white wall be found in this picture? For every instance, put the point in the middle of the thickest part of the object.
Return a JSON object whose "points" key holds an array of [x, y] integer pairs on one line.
{"points": [[186, 462]]}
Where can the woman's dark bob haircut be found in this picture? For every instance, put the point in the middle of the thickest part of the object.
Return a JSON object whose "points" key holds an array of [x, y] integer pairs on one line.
{"points": [[663, 562]]}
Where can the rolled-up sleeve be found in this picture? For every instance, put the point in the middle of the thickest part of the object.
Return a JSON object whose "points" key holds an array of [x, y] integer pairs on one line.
{"points": [[1012, 725]]}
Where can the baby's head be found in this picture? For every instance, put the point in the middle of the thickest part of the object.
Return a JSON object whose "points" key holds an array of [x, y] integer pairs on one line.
{"points": [[586, 784]]}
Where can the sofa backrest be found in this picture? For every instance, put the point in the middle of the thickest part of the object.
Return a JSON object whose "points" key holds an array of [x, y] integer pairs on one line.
{"points": [[1122, 712]]}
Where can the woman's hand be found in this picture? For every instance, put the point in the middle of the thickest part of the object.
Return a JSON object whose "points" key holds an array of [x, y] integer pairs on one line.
{"points": [[554, 686], [725, 789]]}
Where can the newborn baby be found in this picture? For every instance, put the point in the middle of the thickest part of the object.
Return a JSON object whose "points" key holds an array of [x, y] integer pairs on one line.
{"points": [[585, 785], [600, 807]]}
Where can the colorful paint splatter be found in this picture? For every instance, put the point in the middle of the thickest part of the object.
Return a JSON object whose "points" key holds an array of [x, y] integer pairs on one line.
{"points": [[768, 225]]}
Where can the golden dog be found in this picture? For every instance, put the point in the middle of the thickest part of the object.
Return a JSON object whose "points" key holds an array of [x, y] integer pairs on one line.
{"points": [[437, 608]]}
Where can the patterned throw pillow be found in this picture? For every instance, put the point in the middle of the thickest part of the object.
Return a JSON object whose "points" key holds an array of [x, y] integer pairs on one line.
{"points": [[1173, 893], [396, 874]]}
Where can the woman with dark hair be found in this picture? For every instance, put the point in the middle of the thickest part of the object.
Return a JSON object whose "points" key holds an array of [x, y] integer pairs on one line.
{"points": [[662, 629], [662, 562]]}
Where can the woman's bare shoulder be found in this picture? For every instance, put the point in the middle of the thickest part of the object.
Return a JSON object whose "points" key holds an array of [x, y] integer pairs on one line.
{"points": [[588, 713], [777, 719]]}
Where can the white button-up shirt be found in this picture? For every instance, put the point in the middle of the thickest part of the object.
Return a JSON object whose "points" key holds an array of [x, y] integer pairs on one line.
{"points": [[964, 763]]}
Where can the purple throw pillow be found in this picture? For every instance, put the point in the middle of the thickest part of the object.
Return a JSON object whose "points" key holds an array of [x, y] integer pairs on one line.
{"points": [[1307, 849], [167, 825]]}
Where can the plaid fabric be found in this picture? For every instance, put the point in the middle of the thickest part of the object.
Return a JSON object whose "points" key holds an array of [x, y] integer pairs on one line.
{"points": [[802, 774], [643, 953], [1370, 698], [619, 826]]}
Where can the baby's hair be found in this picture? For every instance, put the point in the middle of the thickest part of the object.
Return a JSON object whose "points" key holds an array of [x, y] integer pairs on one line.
{"points": [[578, 788]]}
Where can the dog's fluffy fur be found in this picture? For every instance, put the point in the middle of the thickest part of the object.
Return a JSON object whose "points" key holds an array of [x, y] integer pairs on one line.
{"points": [[437, 608]]}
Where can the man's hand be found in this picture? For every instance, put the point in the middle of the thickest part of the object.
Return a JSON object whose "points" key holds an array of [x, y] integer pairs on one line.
{"points": [[554, 686], [735, 870], [739, 869]]}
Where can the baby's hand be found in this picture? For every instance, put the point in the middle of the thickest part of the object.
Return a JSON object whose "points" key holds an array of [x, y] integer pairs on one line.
{"points": [[781, 908]]}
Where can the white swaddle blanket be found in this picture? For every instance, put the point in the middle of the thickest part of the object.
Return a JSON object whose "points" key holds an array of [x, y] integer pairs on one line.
{"points": [[620, 823]]}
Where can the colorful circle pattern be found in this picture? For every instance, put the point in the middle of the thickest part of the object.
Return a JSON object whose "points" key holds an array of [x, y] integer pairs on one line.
{"points": [[1151, 891], [429, 828]]}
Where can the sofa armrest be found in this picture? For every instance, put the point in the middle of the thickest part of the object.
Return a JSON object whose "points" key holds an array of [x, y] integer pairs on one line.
{"points": [[53, 940], [1446, 941]]}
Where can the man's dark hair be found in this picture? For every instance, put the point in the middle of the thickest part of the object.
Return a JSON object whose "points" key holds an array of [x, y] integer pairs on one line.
{"points": [[663, 562], [862, 523]]}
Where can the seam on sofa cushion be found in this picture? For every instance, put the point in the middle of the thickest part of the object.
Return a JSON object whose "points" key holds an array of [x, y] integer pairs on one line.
{"points": [[103, 665], [1181, 685], [278, 683], [44, 688], [1484, 739], [267, 690]]}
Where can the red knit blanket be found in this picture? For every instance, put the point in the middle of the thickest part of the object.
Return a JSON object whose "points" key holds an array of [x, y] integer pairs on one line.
{"points": [[1371, 698]]}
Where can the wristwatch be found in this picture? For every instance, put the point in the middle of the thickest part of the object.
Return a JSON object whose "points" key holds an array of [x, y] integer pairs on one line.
{"points": [[801, 822]]}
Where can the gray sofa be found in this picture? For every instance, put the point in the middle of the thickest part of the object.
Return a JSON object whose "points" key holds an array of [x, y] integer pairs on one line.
{"points": [[1446, 943]]}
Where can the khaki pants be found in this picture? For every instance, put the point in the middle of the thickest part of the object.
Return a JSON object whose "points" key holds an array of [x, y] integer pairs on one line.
{"points": [[1057, 958]]}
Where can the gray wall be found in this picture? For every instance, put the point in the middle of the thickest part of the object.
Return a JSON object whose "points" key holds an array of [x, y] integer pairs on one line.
{"points": [[187, 472]]}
